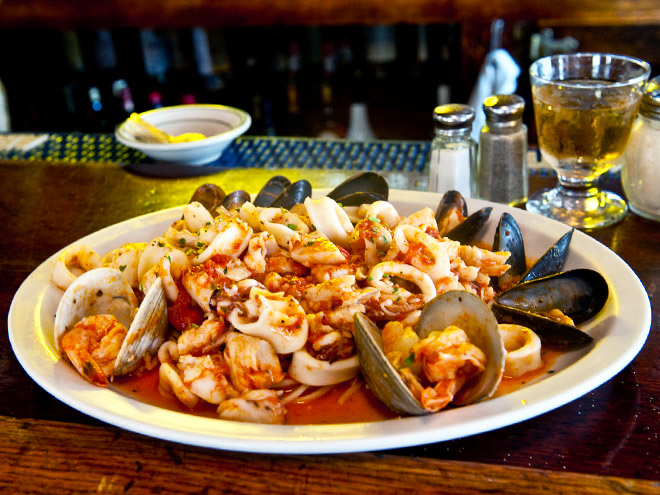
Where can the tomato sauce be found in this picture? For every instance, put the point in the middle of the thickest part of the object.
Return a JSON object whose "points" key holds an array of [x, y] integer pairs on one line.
{"points": [[361, 406], [510, 384]]}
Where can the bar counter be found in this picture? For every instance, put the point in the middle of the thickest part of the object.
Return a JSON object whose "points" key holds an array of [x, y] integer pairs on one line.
{"points": [[607, 441]]}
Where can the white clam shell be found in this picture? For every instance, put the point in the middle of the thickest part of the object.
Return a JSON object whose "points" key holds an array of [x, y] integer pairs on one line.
{"points": [[98, 291], [147, 331], [105, 291], [469, 312]]}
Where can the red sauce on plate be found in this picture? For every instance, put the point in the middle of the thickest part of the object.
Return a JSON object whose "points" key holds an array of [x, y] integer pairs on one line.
{"points": [[360, 406]]}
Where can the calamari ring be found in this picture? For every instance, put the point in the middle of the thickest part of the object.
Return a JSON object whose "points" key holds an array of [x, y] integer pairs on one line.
{"points": [[404, 271], [74, 262], [310, 371], [523, 349]]}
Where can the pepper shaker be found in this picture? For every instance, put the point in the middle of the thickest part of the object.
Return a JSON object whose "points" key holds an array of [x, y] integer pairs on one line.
{"points": [[640, 174], [453, 151], [501, 171]]}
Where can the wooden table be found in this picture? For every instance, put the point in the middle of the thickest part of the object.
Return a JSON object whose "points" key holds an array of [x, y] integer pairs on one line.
{"points": [[608, 441]]}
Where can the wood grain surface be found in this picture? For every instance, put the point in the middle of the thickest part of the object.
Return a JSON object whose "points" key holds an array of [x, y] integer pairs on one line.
{"points": [[604, 442], [71, 459], [212, 13]]}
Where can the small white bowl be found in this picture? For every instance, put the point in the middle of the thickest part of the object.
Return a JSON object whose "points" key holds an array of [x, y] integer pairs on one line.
{"points": [[221, 125]]}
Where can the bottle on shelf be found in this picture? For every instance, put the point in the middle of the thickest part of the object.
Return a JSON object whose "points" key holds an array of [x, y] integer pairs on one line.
{"points": [[156, 65], [212, 64], [329, 127], [359, 125]]}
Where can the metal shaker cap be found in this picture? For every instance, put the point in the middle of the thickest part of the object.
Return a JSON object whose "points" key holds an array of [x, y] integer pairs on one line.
{"points": [[503, 108], [453, 116], [650, 105]]}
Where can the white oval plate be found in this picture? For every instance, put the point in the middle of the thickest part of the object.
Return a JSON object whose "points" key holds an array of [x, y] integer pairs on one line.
{"points": [[619, 332]]}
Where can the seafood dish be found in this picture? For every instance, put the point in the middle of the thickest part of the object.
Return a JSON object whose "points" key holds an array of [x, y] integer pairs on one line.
{"points": [[250, 304]]}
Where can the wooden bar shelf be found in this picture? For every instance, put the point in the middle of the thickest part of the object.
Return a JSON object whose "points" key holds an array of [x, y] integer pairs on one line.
{"points": [[223, 13]]}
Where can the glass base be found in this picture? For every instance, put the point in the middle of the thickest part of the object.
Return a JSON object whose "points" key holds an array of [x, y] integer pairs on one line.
{"points": [[579, 208]]}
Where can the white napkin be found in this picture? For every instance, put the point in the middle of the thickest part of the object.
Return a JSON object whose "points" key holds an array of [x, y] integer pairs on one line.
{"points": [[498, 75]]}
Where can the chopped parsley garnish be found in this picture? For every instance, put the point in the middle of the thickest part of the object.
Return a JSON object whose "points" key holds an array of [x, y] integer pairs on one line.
{"points": [[292, 226], [122, 268]]}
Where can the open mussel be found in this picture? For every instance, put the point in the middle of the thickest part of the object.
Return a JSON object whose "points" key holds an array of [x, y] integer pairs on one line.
{"points": [[508, 237], [452, 205], [552, 260], [362, 188], [579, 294], [454, 308], [104, 291], [453, 221], [467, 231]]}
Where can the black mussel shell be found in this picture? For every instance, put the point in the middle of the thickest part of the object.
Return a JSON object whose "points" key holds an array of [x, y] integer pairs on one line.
{"points": [[580, 294], [466, 231], [360, 198], [450, 201], [508, 237], [551, 332], [552, 261], [271, 190], [365, 182], [235, 199], [210, 196], [293, 194]]}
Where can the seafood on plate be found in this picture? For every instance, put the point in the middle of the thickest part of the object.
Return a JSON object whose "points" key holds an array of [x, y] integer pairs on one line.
{"points": [[251, 304]]}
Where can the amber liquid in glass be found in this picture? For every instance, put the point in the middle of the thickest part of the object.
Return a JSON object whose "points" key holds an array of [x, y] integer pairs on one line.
{"points": [[582, 131]]}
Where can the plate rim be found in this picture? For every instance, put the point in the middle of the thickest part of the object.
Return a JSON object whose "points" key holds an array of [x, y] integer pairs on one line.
{"points": [[47, 369]]}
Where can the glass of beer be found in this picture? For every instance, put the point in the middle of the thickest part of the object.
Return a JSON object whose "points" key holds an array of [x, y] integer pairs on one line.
{"points": [[585, 105]]}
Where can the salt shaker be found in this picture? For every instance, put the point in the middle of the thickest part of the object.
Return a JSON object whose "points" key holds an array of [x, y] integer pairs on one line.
{"points": [[501, 171], [640, 174], [453, 151]]}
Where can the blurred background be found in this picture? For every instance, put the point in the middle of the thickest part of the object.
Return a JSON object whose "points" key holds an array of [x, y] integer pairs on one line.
{"points": [[297, 68]]}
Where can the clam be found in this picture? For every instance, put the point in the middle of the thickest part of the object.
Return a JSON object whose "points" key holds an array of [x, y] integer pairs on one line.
{"points": [[458, 308], [105, 291], [579, 294]]}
